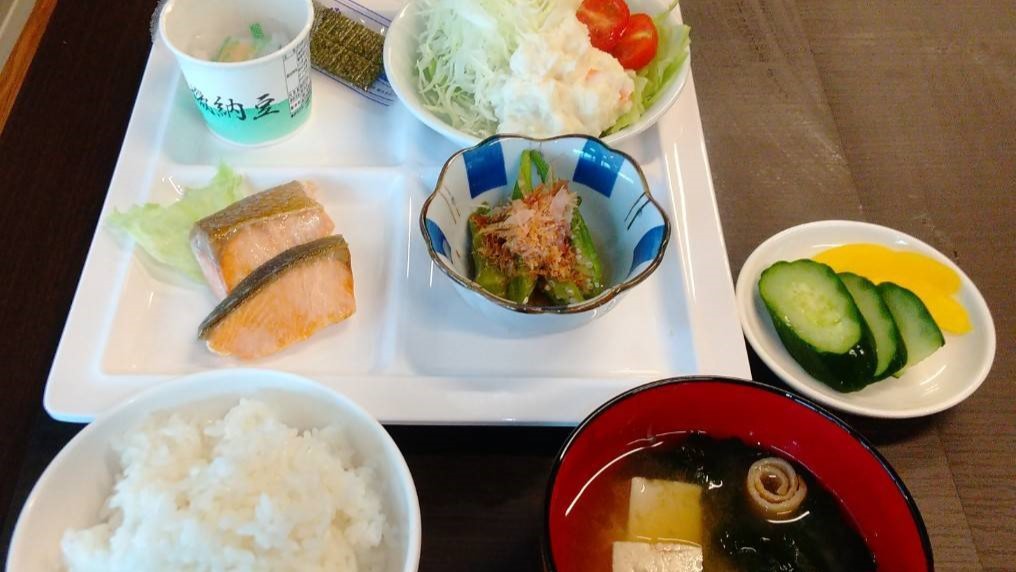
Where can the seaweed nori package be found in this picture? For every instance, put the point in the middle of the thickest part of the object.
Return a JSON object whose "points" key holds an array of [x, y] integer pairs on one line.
{"points": [[346, 44]]}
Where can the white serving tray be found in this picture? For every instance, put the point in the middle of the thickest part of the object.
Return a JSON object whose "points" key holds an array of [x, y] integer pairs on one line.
{"points": [[414, 352]]}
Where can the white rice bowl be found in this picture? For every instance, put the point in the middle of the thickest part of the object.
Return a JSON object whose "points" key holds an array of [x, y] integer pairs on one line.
{"points": [[243, 492]]}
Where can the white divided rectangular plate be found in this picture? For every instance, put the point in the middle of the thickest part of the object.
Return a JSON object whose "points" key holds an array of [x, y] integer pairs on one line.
{"points": [[414, 352]]}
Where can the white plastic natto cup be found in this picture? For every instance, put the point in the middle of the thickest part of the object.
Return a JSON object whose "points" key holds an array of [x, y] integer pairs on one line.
{"points": [[252, 102]]}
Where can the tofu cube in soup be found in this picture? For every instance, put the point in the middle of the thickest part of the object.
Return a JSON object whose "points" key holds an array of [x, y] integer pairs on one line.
{"points": [[656, 557], [665, 511]]}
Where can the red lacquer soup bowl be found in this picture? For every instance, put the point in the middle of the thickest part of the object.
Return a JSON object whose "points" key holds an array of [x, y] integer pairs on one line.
{"points": [[869, 491]]}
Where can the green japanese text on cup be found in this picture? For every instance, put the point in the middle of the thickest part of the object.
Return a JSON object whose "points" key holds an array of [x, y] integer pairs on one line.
{"points": [[246, 63]]}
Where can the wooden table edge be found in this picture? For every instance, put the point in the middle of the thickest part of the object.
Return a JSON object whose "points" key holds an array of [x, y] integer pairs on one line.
{"points": [[21, 56]]}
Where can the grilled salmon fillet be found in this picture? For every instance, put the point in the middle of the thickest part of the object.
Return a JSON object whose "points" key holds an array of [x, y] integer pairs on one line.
{"points": [[284, 301], [231, 243]]}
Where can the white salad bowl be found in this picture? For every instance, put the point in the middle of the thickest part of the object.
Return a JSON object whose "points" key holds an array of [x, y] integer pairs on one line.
{"points": [[400, 56], [629, 228], [941, 381], [77, 482]]}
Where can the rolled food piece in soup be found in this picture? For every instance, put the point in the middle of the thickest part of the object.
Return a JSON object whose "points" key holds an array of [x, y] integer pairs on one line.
{"points": [[775, 488]]}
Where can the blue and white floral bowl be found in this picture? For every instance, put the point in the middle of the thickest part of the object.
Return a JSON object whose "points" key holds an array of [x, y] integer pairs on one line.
{"points": [[629, 228]]}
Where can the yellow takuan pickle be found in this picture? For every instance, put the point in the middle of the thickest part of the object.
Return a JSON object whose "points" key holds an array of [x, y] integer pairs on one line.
{"points": [[935, 283]]}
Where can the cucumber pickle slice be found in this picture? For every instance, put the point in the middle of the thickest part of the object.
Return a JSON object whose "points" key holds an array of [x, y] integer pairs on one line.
{"points": [[890, 351], [921, 334], [819, 323]]}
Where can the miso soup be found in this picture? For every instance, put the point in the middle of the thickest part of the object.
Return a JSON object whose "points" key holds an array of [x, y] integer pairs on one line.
{"points": [[684, 502]]}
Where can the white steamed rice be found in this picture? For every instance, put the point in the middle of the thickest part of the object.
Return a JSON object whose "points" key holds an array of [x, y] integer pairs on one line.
{"points": [[245, 492]]}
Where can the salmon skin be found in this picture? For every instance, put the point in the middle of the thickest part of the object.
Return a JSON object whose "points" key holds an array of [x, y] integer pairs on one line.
{"points": [[284, 301], [231, 243]]}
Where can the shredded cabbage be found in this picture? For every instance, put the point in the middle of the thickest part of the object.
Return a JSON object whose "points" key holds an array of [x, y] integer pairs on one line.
{"points": [[651, 80], [464, 54], [164, 231]]}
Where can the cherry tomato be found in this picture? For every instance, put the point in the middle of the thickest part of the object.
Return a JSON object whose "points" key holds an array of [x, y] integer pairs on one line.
{"points": [[638, 43], [606, 20]]}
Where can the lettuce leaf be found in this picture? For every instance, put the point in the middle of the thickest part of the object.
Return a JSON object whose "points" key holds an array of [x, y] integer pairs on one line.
{"points": [[670, 56], [164, 231], [652, 80]]}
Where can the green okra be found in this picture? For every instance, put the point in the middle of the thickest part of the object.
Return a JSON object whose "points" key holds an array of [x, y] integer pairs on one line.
{"points": [[582, 240], [524, 184], [531, 159], [542, 168], [562, 293], [521, 286], [486, 275], [589, 260]]}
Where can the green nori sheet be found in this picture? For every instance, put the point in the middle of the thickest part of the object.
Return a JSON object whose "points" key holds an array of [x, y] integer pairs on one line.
{"points": [[344, 48]]}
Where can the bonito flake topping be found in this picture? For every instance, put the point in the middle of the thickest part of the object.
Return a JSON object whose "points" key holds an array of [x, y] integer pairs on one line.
{"points": [[533, 233]]}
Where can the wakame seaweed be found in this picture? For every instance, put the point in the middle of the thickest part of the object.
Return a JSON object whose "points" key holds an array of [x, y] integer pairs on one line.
{"points": [[819, 538]]}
